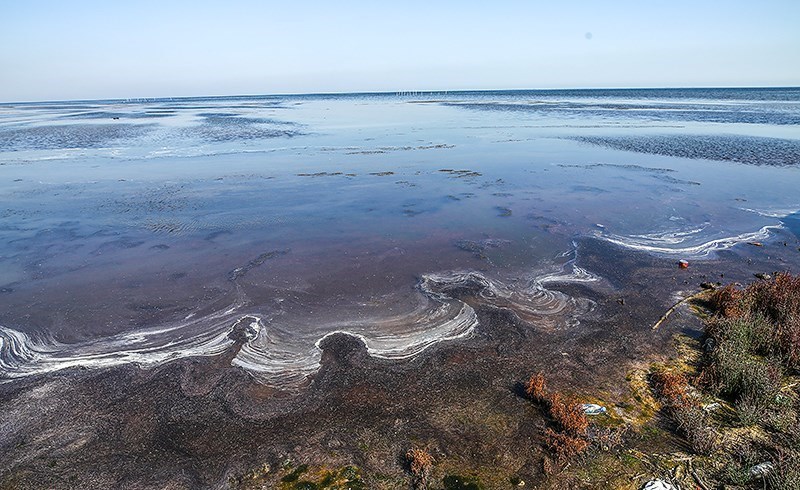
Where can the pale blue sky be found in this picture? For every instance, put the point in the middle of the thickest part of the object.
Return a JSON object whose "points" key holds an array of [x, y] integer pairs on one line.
{"points": [[113, 49]]}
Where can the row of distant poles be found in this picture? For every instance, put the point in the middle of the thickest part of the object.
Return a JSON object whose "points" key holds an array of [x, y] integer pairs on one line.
{"points": [[402, 93], [419, 93]]}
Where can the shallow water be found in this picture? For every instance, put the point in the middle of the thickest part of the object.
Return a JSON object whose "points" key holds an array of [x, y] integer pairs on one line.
{"points": [[142, 231]]}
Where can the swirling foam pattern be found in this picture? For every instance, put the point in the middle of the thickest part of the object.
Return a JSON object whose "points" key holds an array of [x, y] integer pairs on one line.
{"points": [[279, 353], [686, 243]]}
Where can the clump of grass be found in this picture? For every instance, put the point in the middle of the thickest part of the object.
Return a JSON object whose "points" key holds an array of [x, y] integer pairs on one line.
{"points": [[420, 463], [685, 410], [768, 314], [607, 438], [753, 342], [740, 458]]}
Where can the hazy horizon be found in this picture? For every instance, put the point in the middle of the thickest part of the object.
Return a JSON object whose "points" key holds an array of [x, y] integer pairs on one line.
{"points": [[90, 50], [410, 92]]}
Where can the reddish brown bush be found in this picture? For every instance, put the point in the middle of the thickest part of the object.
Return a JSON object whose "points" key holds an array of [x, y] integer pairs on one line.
{"points": [[672, 388], [564, 446], [536, 387], [779, 301], [774, 302], [420, 463], [571, 436], [569, 415], [729, 301]]}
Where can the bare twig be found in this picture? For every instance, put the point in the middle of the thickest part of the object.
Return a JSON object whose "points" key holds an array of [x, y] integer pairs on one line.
{"points": [[675, 307], [698, 480]]}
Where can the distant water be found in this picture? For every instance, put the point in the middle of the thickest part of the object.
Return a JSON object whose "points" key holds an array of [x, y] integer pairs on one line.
{"points": [[145, 230]]}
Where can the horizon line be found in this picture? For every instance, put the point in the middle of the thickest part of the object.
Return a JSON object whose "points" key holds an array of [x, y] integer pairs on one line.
{"points": [[395, 92]]}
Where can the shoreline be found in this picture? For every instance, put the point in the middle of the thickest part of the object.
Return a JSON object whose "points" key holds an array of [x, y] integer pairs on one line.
{"points": [[363, 409]]}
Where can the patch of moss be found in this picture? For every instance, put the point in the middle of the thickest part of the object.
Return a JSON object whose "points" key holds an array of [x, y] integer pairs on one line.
{"points": [[613, 471], [295, 475], [344, 478], [628, 460]]}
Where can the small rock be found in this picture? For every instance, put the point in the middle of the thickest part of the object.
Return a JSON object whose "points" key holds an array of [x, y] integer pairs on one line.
{"points": [[708, 285], [683, 264], [761, 275], [621, 301]]}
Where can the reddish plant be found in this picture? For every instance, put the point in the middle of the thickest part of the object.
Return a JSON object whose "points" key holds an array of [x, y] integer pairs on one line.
{"points": [[773, 304], [564, 446], [729, 301], [685, 410], [571, 435], [536, 388], [672, 387], [569, 415], [779, 301], [420, 463]]}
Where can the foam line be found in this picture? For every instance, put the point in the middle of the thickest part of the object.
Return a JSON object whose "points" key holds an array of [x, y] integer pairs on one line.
{"points": [[277, 352]]}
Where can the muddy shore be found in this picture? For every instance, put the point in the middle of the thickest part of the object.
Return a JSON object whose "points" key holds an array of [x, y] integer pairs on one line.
{"points": [[201, 423]]}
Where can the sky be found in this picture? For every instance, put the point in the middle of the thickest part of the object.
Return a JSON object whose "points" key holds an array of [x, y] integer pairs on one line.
{"points": [[86, 49]]}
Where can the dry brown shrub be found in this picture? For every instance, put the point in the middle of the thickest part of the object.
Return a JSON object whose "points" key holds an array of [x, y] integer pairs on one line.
{"points": [[564, 446], [419, 462], [672, 387], [571, 435], [729, 301], [536, 387], [779, 300], [569, 415]]}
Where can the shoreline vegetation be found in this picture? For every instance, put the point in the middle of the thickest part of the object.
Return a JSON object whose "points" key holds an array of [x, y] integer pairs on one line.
{"points": [[723, 413]]}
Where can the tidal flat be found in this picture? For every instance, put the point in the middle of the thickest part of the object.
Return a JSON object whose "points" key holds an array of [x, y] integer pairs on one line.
{"points": [[300, 291]]}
